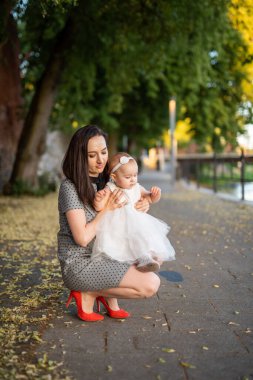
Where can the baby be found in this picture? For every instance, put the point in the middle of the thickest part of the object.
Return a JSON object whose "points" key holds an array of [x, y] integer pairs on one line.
{"points": [[125, 234]]}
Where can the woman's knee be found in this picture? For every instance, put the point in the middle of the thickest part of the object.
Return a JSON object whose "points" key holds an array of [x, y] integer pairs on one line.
{"points": [[150, 286], [144, 284]]}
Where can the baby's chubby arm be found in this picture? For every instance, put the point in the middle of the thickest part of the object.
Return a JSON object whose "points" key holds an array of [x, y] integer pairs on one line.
{"points": [[153, 195], [101, 199]]}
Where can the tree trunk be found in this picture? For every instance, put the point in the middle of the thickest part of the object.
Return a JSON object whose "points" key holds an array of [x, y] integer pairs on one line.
{"points": [[10, 94], [32, 141], [113, 143]]}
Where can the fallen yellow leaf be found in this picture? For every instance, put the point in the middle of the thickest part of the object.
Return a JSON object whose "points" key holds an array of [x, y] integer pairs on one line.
{"points": [[169, 350], [187, 365]]}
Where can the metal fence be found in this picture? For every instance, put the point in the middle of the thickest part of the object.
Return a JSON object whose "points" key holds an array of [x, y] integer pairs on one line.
{"points": [[216, 170]]}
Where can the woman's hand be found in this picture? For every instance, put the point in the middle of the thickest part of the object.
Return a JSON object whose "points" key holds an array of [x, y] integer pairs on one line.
{"points": [[142, 205], [84, 232], [116, 200]]}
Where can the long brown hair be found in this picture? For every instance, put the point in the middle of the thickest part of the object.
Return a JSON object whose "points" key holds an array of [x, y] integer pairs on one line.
{"points": [[75, 163]]}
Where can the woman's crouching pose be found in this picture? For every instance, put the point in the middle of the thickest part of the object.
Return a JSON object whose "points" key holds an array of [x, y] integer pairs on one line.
{"points": [[85, 167]]}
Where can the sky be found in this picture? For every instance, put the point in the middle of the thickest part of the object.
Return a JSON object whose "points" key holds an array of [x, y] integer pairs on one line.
{"points": [[246, 140]]}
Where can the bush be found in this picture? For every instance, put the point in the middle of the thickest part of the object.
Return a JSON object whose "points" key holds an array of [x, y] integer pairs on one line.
{"points": [[45, 185]]}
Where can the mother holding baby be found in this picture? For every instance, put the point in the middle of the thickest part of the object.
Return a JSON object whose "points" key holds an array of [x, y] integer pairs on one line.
{"points": [[85, 167]]}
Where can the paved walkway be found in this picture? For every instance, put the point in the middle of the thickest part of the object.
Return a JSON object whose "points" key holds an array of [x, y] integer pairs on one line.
{"points": [[200, 324]]}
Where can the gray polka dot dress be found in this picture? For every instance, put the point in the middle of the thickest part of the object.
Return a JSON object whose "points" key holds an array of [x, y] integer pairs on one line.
{"points": [[78, 271]]}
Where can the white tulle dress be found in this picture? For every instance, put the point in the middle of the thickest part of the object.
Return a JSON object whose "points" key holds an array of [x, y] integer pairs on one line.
{"points": [[131, 236]]}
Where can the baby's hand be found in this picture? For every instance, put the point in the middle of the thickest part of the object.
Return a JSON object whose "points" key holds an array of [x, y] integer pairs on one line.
{"points": [[155, 194], [100, 195], [101, 198]]}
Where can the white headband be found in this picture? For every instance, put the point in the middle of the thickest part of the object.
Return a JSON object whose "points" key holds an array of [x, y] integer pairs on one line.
{"points": [[122, 161]]}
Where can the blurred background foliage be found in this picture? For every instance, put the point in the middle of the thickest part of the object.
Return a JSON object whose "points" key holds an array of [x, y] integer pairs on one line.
{"points": [[138, 54], [124, 61]]}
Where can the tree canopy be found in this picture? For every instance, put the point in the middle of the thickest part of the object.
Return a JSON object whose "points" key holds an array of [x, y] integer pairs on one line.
{"points": [[191, 49], [118, 63]]}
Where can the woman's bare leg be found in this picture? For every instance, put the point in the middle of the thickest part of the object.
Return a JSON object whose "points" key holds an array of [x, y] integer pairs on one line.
{"points": [[141, 285], [134, 285], [88, 299]]}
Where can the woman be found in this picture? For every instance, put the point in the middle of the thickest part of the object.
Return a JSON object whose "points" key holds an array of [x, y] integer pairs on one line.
{"points": [[86, 169]]}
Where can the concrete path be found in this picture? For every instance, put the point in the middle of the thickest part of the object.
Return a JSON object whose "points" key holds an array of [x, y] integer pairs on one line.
{"points": [[200, 324]]}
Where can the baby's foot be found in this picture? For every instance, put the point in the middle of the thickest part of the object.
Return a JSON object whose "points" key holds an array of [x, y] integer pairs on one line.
{"points": [[148, 266], [160, 262]]}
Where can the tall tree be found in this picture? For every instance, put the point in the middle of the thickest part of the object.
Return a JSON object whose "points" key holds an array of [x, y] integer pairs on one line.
{"points": [[241, 16], [10, 94], [91, 61], [102, 33], [32, 141]]}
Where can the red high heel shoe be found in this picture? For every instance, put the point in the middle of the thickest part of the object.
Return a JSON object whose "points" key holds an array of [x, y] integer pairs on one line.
{"points": [[89, 317], [112, 313]]}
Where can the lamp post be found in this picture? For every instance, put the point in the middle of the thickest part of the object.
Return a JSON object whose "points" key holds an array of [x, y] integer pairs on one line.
{"points": [[172, 116]]}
